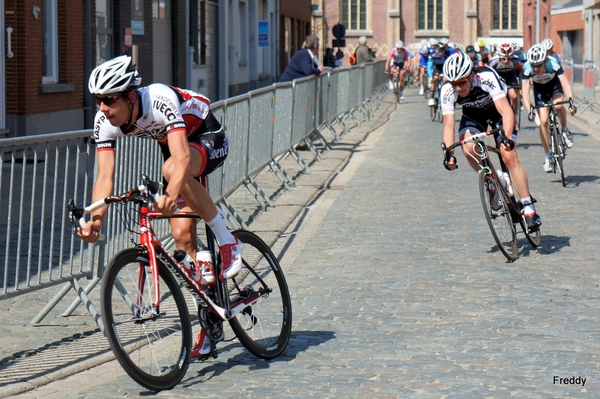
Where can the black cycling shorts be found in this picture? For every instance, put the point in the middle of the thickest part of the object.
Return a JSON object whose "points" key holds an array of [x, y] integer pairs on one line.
{"points": [[477, 126], [543, 93], [208, 138]]}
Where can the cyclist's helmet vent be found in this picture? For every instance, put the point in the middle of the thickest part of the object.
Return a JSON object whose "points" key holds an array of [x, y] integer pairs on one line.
{"points": [[114, 76], [505, 50], [547, 44], [536, 54], [458, 66]]}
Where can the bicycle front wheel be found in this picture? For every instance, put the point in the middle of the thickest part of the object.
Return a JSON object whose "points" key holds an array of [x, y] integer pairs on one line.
{"points": [[151, 344], [263, 328], [497, 214], [557, 150]]}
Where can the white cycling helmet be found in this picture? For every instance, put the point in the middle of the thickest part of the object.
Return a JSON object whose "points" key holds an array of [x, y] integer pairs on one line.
{"points": [[547, 44], [432, 42], [458, 66], [399, 44], [444, 41], [114, 76], [536, 54]]}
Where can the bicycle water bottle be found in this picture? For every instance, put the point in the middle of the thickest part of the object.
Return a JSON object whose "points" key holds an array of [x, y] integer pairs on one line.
{"points": [[182, 257], [205, 261], [505, 179]]}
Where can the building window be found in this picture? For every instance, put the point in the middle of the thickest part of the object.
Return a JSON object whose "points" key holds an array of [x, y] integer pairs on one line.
{"points": [[50, 41], [243, 33], [431, 14], [505, 14], [104, 31], [198, 31], [354, 14], [161, 9]]}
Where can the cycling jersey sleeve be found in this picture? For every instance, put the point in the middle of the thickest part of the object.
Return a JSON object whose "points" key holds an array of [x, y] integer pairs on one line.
{"points": [[105, 134], [491, 83], [448, 97]]}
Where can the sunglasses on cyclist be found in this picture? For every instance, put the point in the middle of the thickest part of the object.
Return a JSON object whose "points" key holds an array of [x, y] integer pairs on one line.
{"points": [[108, 100], [460, 83], [503, 58], [537, 65]]}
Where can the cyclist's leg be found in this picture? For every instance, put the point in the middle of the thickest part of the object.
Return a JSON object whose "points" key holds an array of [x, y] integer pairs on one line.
{"points": [[517, 171], [467, 128]]}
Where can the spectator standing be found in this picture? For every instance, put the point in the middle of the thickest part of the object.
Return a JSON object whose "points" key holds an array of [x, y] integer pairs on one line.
{"points": [[329, 60], [339, 58], [363, 54], [304, 63]]}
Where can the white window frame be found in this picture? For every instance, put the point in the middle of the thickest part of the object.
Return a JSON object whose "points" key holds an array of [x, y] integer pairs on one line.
{"points": [[357, 29], [51, 41]]}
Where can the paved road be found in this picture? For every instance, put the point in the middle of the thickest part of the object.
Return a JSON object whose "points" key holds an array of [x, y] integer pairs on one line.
{"points": [[399, 291]]}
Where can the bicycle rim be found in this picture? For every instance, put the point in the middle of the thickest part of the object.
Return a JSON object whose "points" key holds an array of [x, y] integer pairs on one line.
{"points": [[152, 346], [263, 328], [500, 221]]}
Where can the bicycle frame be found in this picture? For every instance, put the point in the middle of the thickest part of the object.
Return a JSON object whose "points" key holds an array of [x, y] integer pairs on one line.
{"points": [[150, 242], [152, 249]]}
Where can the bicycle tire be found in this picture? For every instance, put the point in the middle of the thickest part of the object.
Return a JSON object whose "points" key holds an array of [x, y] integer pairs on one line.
{"points": [[265, 327], [434, 108], [500, 222], [153, 348], [558, 153]]}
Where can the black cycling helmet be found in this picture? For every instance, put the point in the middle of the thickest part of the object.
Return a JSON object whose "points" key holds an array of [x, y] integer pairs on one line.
{"points": [[470, 49]]}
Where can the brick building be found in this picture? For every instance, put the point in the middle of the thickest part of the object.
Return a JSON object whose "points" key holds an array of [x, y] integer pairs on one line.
{"points": [[43, 80], [383, 22], [218, 48]]}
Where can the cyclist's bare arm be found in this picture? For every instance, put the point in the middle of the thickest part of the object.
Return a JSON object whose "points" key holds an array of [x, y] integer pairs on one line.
{"points": [[508, 117], [179, 171], [103, 188], [448, 137], [526, 99]]}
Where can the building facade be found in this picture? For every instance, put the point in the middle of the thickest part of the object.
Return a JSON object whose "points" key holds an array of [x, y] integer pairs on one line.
{"points": [[42, 66], [384, 22], [220, 48]]}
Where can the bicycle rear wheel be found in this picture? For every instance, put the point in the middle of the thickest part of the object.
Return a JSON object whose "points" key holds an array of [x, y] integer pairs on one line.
{"points": [[263, 328], [500, 221], [151, 344], [557, 149]]}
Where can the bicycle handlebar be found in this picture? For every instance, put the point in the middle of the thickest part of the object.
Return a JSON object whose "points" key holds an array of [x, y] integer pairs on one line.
{"points": [[553, 104], [145, 192], [476, 137]]}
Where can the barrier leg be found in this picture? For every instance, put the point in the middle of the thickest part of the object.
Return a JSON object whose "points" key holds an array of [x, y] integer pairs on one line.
{"points": [[232, 215], [51, 305], [264, 196], [300, 161], [281, 174], [88, 288], [258, 196]]}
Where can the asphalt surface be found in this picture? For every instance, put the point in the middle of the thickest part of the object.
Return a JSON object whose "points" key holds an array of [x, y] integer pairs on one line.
{"points": [[398, 289]]}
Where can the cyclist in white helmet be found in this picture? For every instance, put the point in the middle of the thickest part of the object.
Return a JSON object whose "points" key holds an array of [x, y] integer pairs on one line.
{"points": [[193, 144], [397, 57], [482, 95], [549, 84], [548, 44]]}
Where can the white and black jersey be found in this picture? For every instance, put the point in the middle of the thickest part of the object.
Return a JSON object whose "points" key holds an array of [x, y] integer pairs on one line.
{"points": [[478, 105]]}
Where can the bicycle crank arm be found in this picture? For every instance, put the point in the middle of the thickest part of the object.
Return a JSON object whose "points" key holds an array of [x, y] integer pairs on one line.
{"points": [[251, 300]]}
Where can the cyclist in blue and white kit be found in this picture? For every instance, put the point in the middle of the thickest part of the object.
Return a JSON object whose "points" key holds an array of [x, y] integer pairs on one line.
{"points": [[424, 52], [549, 84], [193, 144], [435, 65], [482, 95]]}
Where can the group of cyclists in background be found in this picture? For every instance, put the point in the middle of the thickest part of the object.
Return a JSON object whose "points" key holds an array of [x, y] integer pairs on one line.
{"points": [[489, 82]]}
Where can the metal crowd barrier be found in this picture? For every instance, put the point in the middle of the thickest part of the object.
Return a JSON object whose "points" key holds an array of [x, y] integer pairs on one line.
{"points": [[41, 173]]}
